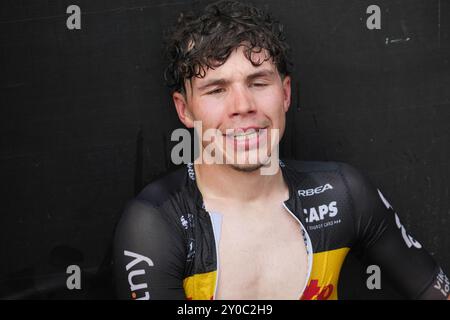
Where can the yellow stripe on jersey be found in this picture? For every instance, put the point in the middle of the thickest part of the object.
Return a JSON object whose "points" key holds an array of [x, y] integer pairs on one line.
{"points": [[324, 277], [200, 286]]}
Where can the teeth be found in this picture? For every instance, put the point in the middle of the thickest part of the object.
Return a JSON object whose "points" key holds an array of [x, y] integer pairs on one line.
{"points": [[244, 136]]}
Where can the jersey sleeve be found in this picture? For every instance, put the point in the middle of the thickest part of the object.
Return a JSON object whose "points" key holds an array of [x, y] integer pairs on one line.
{"points": [[381, 239], [149, 255]]}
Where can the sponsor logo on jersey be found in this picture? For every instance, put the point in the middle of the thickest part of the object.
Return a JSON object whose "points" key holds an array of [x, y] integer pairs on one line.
{"points": [[186, 220], [191, 172], [323, 280], [410, 241], [191, 250], [135, 277], [314, 191], [316, 292], [321, 215], [442, 284]]}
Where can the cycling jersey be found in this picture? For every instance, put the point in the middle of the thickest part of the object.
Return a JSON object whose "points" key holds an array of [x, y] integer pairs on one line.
{"points": [[166, 243]]}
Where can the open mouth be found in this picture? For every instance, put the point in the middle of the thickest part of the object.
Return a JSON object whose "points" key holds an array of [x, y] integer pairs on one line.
{"points": [[247, 138], [251, 134]]}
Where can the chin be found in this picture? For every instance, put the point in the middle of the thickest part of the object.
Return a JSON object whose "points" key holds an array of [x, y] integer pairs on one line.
{"points": [[246, 167], [250, 166]]}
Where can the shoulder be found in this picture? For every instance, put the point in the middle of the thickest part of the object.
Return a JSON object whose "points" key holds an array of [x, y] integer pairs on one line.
{"points": [[331, 168], [342, 179], [311, 166], [148, 207], [160, 190]]}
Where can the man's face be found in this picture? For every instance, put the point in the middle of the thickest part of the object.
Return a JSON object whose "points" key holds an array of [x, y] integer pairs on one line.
{"points": [[246, 103]]}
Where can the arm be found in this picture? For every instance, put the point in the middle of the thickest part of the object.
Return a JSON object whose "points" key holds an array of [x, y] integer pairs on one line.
{"points": [[383, 240], [149, 255]]}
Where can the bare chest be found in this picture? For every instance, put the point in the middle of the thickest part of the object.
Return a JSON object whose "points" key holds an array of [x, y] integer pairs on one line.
{"points": [[261, 258]]}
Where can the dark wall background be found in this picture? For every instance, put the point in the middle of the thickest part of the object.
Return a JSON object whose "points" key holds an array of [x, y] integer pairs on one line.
{"points": [[85, 123]]}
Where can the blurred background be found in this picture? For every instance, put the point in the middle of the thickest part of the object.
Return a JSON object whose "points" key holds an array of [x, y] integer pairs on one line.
{"points": [[85, 124]]}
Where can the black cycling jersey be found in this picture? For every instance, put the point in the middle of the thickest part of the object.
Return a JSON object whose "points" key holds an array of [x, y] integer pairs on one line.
{"points": [[166, 244]]}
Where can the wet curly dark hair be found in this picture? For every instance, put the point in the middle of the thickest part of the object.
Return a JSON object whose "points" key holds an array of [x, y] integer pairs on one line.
{"points": [[197, 43]]}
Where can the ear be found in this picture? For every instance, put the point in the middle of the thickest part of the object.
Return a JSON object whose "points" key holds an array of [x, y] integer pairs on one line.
{"points": [[183, 112], [287, 93]]}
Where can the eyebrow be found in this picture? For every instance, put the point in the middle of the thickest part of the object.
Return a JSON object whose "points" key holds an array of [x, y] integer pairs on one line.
{"points": [[221, 81]]}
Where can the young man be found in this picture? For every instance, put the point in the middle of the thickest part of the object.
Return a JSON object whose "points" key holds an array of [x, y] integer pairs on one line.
{"points": [[224, 230]]}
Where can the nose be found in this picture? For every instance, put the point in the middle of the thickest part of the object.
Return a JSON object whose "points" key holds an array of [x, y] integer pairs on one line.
{"points": [[242, 102]]}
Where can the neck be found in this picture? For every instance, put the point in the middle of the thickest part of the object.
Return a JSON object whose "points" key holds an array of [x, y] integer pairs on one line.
{"points": [[221, 181]]}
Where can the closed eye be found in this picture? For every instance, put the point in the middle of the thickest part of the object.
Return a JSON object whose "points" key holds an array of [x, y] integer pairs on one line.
{"points": [[216, 91], [259, 84]]}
